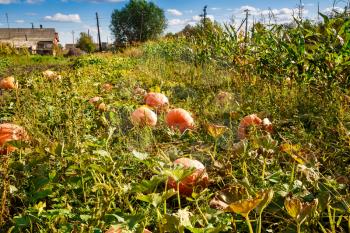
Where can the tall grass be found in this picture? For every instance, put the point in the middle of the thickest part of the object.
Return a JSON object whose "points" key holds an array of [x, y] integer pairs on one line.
{"points": [[85, 170]]}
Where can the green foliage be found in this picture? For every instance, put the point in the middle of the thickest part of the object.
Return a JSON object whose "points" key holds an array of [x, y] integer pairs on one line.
{"points": [[85, 170], [85, 42], [7, 49], [139, 20]]}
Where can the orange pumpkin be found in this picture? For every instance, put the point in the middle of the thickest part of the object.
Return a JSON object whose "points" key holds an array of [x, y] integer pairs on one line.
{"points": [[107, 87], [11, 132], [180, 119], [95, 100], [249, 120], [119, 229], [8, 83], [144, 116], [156, 100], [267, 125], [199, 177], [102, 107], [7, 150], [51, 75]]}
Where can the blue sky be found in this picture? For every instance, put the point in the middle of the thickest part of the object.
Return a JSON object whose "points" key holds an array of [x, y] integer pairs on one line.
{"points": [[79, 15]]}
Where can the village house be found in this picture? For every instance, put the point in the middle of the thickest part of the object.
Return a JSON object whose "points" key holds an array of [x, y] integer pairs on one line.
{"points": [[36, 40]]}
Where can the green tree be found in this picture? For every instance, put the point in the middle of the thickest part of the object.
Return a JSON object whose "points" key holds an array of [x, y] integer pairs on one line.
{"points": [[85, 43], [138, 21]]}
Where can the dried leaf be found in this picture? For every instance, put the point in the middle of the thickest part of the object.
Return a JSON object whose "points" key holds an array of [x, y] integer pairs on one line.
{"points": [[216, 130], [294, 151], [244, 207], [267, 196]]}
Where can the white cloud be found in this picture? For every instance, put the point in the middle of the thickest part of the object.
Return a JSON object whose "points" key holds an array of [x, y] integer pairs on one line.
{"points": [[331, 10], [7, 1], [19, 21], [215, 8], [174, 12], [280, 16], [33, 1], [92, 29], [59, 17], [198, 18], [177, 22], [94, 1]]}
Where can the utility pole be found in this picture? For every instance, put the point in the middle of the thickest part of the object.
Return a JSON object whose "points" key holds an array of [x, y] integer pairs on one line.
{"points": [[204, 15], [73, 39], [246, 24], [141, 30], [7, 20], [98, 33], [88, 32], [300, 8], [318, 11], [8, 24]]}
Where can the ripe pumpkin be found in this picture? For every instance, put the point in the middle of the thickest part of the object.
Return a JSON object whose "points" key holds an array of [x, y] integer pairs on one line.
{"points": [[51, 75], [249, 120], [95, 100], [107, 87], [180, 119], [119, 229], [267, 125], [11, 132], [156, 100], [144, 116], [8, 83], [198, 178], [102, 107]]}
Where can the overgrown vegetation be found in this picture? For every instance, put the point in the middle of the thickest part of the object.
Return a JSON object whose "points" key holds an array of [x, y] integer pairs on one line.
{"points": [[85, 170]]}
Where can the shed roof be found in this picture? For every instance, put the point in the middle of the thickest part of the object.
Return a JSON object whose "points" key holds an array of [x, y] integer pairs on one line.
{"points": [[39, 34]]}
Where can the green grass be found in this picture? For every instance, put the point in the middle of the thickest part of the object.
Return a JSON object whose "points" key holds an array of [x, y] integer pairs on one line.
{"points": [[84, 170]]}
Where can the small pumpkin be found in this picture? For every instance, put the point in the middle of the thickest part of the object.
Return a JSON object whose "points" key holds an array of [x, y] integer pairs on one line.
{"points": [[102, 107], [156, 100], [11, 132], [95, 100], [107, 87], [267, 125], [51, 75], [199, 177], [119, 229], [249, 120], [180, 119], [143, 116], [8, 83]]}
